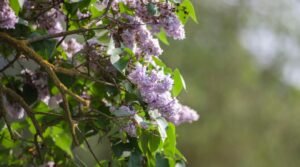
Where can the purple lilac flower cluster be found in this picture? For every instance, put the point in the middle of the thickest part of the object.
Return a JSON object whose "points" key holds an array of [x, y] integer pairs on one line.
{"points": [[137, 35], [139, 39], [129, 127], [165, 19], [81, 15], [8, 19], [51, 20], [94, 51], [71, 47], [14, 110], [155, 87]]}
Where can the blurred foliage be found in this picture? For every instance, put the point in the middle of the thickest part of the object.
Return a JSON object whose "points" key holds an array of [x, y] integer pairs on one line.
{"points": [[249, 116]]}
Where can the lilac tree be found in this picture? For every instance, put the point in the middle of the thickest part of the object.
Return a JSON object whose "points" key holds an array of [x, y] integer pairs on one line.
{"points": [[75, 69]]}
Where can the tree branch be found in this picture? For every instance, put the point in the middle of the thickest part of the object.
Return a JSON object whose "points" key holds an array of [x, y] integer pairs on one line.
{"points": [[21, 46]]}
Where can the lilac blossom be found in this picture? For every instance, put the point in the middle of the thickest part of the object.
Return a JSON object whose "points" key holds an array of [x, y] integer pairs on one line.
{"points": [[130, 129], [123, 111], [127, 110], [173, 27], [71, 47], [115, 3], [8, 19], [185, 114], [54, 101], [51, 21], [94, 51], [82, 15], [155, 87], [137, 35], [14, 110], [166, 19]]}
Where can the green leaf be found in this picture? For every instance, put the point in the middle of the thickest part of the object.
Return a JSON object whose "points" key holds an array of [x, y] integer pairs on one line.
{"points": [[180, 155], [95, 11], [186, 10], [170, 143], [5, 139], [66, 79], [31, 127], [162, 37], [62, 139], [120, 63], [84, 3], [125, 9], [71, 8], [161, 161], [158, 62], [112, 50], [154, 142], [143, 141], [15, 5], [45, 48], [162, 125], [122, 149], [179, 83], [41, 107], [97, 90], [190, 8], [135, 159]]}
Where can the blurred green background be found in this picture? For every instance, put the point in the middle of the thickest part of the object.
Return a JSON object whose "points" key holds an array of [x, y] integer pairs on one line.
{"points": [[240, 65]]}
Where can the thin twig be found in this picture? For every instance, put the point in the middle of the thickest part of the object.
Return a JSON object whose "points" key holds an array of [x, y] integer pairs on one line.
{"points": [[10, 63], [62, 34], [48, 114], [106, 9], [36, 143], [67, 29], [3, 112], [89, 147], [68, 117], [75, 73]]}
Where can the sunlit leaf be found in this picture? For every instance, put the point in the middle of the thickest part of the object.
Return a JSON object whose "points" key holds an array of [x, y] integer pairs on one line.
{"points": [[179, 83], [15, 5]]}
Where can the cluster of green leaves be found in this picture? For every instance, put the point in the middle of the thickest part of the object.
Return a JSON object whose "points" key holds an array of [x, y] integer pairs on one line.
{"points": [[153, 146]]}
